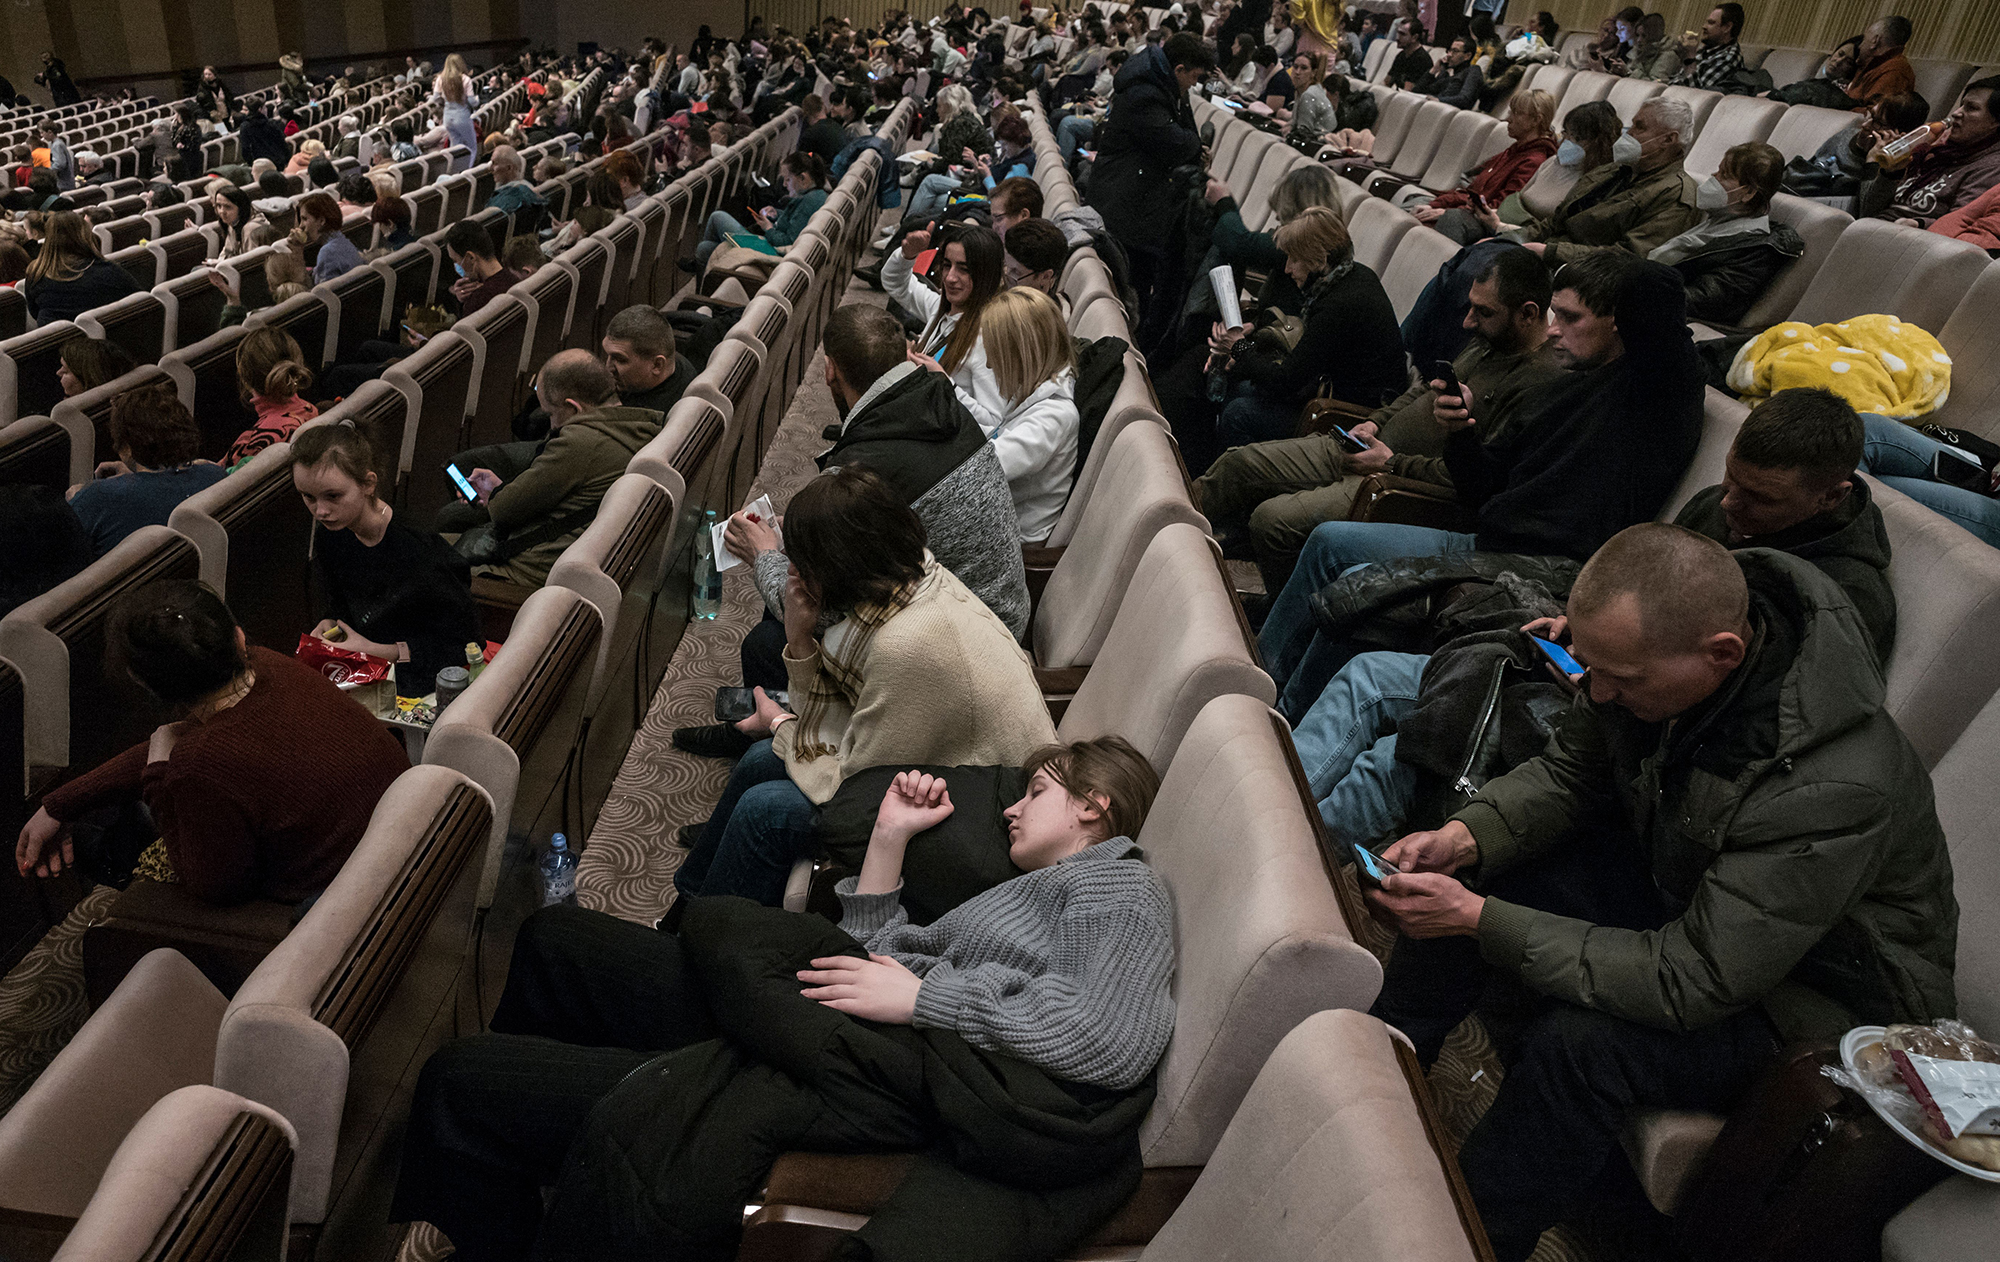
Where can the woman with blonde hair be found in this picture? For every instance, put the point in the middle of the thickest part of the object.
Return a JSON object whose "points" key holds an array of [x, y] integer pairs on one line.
{"points": [[1530, 125], [308, 150], [1350, 340], [1033, 361], [454, 84], [270, 373], [69, 275]]}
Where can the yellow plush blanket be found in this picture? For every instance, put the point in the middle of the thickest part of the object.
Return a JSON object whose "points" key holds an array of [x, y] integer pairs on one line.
{"points": [[1876, 362]]}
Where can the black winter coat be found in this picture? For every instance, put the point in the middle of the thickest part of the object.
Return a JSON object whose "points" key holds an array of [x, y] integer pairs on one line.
{"points": [[1012, 1163], [1728, 277], [1147, 133]]}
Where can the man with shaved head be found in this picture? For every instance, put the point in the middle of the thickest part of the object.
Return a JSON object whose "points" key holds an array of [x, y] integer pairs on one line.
{"points": [[1727, 846]]}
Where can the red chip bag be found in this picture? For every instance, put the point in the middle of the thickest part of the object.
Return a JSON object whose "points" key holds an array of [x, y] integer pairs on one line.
{"points": [[342, 666]]}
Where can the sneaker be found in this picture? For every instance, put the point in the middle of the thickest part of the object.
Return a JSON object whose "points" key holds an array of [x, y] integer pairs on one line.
{"points": [[713, 740]]}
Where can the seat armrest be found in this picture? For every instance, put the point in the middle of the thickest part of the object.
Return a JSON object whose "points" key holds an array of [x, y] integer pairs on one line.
{"points": [[1321, 415], [1060, 681], [1041, 557], [1407, 502]]}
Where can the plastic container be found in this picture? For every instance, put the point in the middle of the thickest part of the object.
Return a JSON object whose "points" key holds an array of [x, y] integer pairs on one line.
{"points": [[1903, 148], [707, 579], [558, 867], [451, 681]]}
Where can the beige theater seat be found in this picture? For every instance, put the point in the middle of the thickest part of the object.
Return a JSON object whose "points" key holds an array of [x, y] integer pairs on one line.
{"points": [[1333, 1157], [1877, 266], [1261, 945], [1133, 402], [1721, 417], [1735, 120], [1141, 490], [1972, 338]]}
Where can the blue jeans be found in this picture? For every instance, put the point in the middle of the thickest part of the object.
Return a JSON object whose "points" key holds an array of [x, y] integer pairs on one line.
{"points": [[1073, 132], [1901, 457], [720, 225], [1347, 742], [930, 196], [1251, 417], [1294, 651], [762, 825]]}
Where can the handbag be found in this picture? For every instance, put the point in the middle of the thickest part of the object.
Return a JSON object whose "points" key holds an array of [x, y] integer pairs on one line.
{"points": [[753, 267], [1803, 1172]]}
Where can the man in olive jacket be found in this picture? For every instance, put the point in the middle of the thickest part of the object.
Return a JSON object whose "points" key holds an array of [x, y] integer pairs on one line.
{"points": [[1641, 200], [1730, 848], [542, 509]]}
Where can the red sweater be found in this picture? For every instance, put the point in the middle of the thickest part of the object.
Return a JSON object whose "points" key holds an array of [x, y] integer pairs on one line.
{"points": [[1502, 175], [265, 800]]}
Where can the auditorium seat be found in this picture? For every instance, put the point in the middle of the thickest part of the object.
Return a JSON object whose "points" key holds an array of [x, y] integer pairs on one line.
{"points": [[1722, 416], [1735, 120], [139, 262], [497, 332], [1790, 65], [1261, 946], [255, 538], [1940, 82], [413, 270], [35, 451], [1802, 129], [194, 309], [382, 413], [1881, 267], [589, 261], [205, 374], [359, 299], [309, 319], [1335, 1155], [1415, 264], [137, 323], [1133, 401], [1627, 95], [1820, 227], [436, 380], [28, 385], [729, 382], [1587, 86], [13, 313], [1393, 122], [1421, 143], [1972, 338], [1470, 139], [1141, 489], [1376, 228], [87, 417], [525, 707], [1178, 641], [1700, 102], [82, 710]]}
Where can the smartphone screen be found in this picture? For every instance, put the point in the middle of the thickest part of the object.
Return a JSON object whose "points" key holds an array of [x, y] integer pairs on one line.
{"points": [[1953, 469], [1371, 870], [1557, 654], [1354, 445], [458, 480]]}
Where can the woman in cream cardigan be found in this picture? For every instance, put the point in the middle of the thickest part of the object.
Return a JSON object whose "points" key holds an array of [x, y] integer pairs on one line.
{"points": [[914, 670]]}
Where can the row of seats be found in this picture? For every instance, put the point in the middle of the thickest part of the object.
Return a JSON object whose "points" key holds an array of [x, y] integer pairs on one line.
{"points": [[1850, 267], [1946, 582], [389, 935]]}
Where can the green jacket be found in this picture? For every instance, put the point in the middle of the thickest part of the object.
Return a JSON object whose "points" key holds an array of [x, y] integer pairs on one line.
{"points": [[564, 484], [1786, 818], [1498, 382], [1613, 205]]}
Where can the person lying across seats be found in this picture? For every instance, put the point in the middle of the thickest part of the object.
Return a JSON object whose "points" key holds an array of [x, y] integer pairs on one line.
{"points": [[1961, 161], [262, 786], [1774, 872], [909, 427], [1641, 200], [1729, 259], [1591, 452], [529, 510], [391, 591], [1278, 492], [1034, 358], [1789, 484], [754, 1032], [914, 668]]}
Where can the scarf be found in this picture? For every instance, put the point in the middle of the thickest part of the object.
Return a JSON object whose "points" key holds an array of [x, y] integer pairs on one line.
{"points": [[834, 692]]}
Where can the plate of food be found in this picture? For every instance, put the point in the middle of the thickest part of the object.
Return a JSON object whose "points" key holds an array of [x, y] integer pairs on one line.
{"points": [[1934, 1086]]}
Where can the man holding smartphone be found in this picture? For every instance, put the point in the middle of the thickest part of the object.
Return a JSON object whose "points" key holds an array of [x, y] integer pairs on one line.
{"points": [[1759, 863]]}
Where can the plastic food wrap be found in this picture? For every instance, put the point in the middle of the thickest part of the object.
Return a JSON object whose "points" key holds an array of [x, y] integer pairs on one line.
{"points": [[1940, 1082], [342, 666]]}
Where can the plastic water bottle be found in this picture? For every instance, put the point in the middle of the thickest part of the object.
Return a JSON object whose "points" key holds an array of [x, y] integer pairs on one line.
{"points": [[707, 579], [558, 873]]}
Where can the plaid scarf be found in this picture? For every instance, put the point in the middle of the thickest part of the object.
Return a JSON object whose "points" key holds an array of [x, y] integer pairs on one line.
{"points": [[829, 703]]}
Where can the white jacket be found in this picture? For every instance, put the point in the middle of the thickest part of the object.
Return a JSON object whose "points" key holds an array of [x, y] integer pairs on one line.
{"points": [[978, 389], [1036, 443]]}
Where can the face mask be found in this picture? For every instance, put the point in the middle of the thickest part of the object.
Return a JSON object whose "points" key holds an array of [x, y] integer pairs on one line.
{"points": [[1625, 150], [1711, 195], [1569, 154]]}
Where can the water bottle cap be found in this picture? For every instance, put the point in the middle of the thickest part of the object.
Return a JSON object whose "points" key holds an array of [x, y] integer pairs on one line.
{"points": [[558, 842]]}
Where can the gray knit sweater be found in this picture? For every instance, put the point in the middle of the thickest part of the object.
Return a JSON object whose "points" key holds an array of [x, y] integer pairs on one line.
{"points": [[1069, 968]]}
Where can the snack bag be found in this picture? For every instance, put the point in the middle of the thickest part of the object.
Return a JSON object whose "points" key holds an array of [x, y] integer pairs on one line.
{"points": [[343, 666]]}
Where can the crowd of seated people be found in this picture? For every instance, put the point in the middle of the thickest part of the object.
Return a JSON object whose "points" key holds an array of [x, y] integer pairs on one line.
{"points": [[1710, 843]]}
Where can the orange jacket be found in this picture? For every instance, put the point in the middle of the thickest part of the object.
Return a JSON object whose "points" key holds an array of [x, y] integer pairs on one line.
{"points": [[1978, 221]]}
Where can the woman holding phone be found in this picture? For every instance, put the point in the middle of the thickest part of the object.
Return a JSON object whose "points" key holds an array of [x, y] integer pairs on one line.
{"points": [[392, 592]]}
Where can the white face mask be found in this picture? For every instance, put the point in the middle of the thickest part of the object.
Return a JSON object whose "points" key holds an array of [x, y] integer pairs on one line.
{"points": [[1569, 154], [1711, 194], [1625, 150]]}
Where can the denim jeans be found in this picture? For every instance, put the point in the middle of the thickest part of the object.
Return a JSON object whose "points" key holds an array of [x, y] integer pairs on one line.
{"points": [[1294, 651], [1073, 132], [931, 196], [762, 825], [1901, 457], [720, 224], [1347, 743], [1252, 417]]}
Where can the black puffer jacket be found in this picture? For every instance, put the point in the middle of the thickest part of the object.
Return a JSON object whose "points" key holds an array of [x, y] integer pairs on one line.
{"points": [[1726, 278], [1147, 133], [1399, 604]]}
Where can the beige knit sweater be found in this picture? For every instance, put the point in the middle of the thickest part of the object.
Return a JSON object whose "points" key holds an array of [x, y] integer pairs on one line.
{"points": [[941, 682]]}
